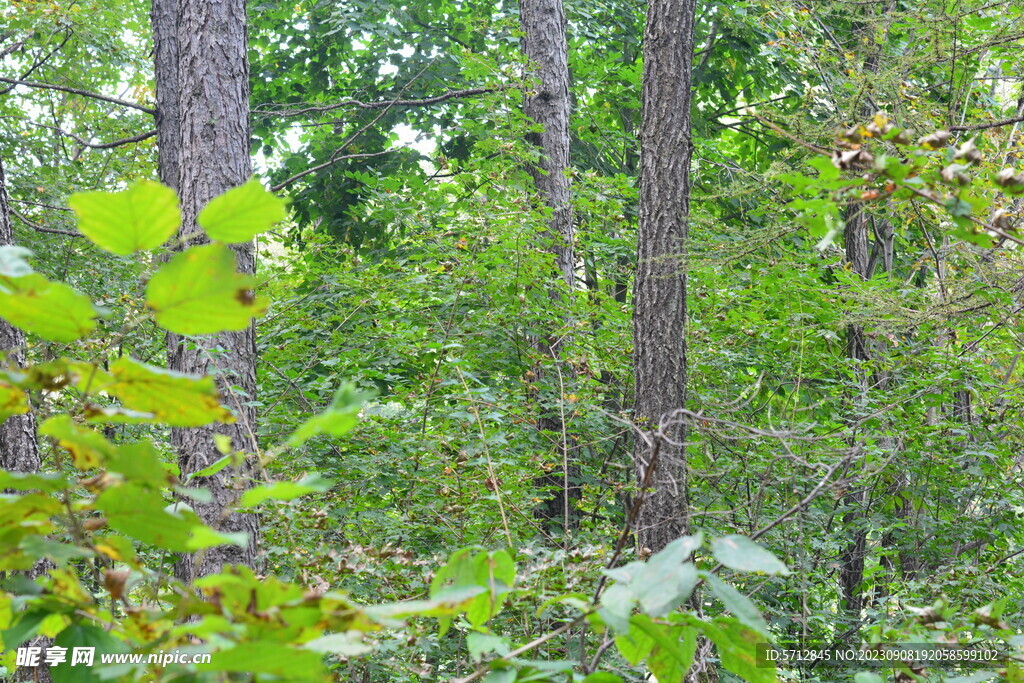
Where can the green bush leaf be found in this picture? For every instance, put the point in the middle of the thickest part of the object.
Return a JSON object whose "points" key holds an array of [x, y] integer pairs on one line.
{"points": [[616, 606], [142, 217], [740, 553], [241, 213], [51, 310], [480, 644], [199, 292]]}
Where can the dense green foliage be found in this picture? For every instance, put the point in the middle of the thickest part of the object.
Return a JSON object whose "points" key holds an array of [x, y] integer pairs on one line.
{"points": [[396, 302]]}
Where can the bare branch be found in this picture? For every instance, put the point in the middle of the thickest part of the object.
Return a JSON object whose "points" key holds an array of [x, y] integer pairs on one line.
{"points": [[333, 160], [991, 124], [39, 228], [469, 92], [40, 205], [13, 47], [76, 91], [98, 145], [337, 156]]}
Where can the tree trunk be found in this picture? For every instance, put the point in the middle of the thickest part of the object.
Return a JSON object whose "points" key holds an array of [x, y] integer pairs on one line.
{"points": [[18, 449], [546, 47], [202, 75], [659, 294]]}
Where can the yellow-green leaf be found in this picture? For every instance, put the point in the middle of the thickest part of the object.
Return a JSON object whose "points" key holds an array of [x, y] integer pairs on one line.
{"points": [[142, 217], [13, 401], [171, 397], [199, 292], [51, 310], [88, 448], [241, 213]]}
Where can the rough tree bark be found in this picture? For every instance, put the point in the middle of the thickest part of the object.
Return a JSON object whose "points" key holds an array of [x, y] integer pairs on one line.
{"points": [[546, 48], [18, 449], [659, 294], [202, 76]]}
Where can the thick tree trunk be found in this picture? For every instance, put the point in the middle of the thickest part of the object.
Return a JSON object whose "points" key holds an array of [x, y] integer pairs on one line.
{"points": [[659, 295], [18, 449], [546, 47], [864, 255], [202, 74]]}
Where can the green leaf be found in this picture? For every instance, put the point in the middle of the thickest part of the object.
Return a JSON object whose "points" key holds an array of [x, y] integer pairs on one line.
{"points": [[501, 676], [617, 606], [740, 553], [51, 310], [737, 603], [495, 572], [666, 580], [737, 649], [139, 462], [199, 292], [173, 398], [85, 636], [267, 657], [826, 169], [634, 645], [602, 677], [286, 490], [140, 513], [142, 217], [30, 481], [241, 213], [868, 677], [670, 659], [23, 629]]}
